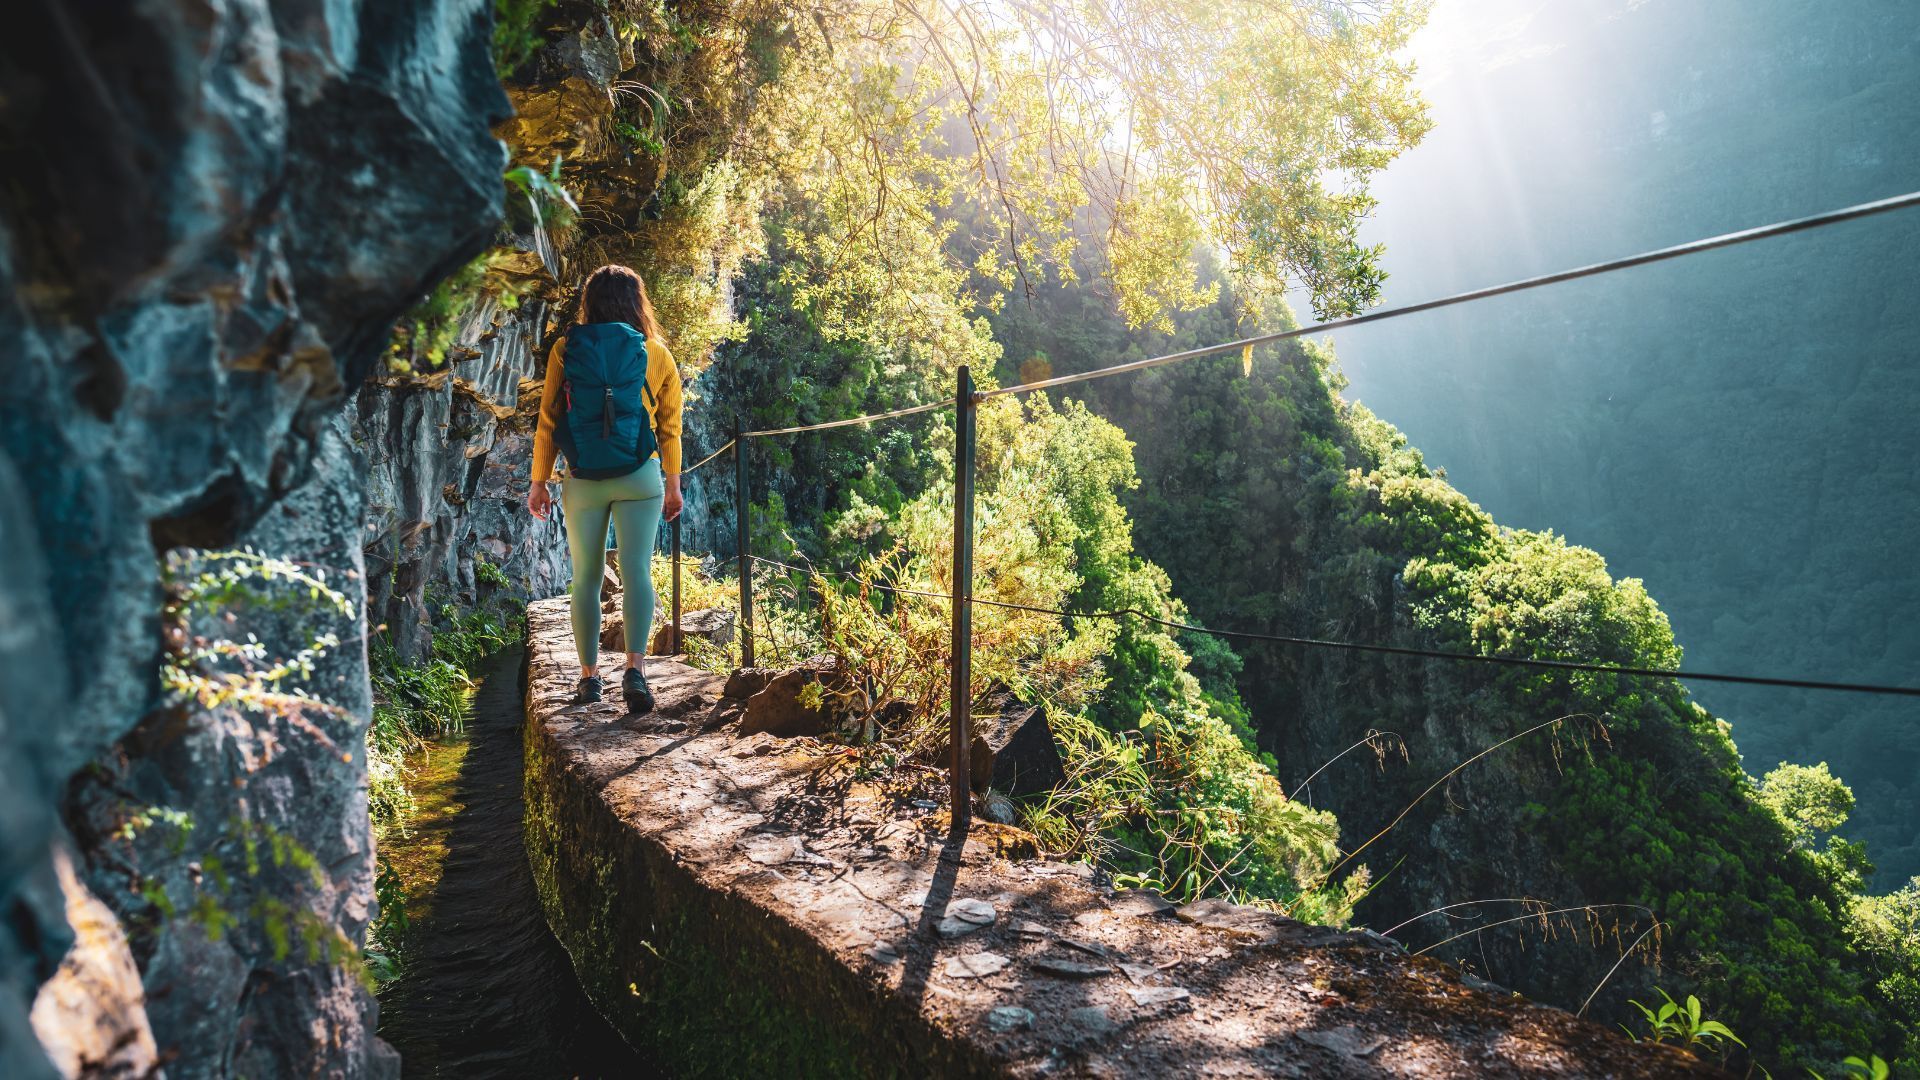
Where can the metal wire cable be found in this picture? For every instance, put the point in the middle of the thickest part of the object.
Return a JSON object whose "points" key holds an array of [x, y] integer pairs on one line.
{"points": [[1782, 228], [1392, 650], [1762, 232], [857, 580], [867, 419], [709, 457]]}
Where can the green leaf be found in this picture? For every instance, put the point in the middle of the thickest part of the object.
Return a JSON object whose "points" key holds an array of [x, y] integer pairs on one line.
{"points": [[1716, 1028]]}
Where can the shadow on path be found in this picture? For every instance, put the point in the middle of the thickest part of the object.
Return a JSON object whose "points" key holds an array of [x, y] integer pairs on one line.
{"points": [[925, 937], [488, 992]]}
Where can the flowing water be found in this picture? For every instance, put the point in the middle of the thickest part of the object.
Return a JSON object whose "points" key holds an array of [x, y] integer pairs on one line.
{"points": [[487, 991]]}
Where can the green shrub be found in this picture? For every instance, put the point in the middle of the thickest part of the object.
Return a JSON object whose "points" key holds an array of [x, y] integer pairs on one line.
{"points": [[1276, 506], [1162, 786]]}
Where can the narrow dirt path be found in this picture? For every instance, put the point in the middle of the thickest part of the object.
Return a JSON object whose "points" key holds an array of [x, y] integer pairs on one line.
{"points": [[488, 991]]}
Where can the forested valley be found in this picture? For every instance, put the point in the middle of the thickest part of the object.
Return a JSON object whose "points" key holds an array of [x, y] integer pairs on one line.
{"points": [[1690, 423], [837, 207]]}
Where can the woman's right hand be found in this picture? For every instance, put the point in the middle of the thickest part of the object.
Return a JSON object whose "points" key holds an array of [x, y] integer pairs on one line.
{"points": [[540, 501], [670, 508]]}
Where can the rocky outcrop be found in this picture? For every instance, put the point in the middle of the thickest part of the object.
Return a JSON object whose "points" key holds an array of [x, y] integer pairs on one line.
{"points": [[449, 460], [712, 625], [1013, 748], [233, 842], [450, 447], [213, 215], [1013, 751], [797, 701], [707, 882]]}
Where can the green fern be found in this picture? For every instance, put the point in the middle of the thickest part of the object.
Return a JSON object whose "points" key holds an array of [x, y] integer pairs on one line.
{"points": [[1687, 1025]]}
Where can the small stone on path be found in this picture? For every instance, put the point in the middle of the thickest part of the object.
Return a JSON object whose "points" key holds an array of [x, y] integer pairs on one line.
{"points": [[1346, 1039], [975, 965], [1100, 951], [1067, 969], [848, 914], [1009, 1018], [1093, 1019], [964, 916], [1157, 995], [1238, 920], [1140, 902]]}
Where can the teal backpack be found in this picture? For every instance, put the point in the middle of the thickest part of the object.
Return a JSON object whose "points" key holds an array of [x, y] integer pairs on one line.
{"points": [[606, 429]]}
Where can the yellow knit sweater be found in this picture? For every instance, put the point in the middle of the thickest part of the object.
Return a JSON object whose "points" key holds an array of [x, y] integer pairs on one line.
{"points": [[663, 377]]}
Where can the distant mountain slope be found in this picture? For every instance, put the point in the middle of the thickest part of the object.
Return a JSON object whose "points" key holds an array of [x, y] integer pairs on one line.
{"points": [[1738, 429]]}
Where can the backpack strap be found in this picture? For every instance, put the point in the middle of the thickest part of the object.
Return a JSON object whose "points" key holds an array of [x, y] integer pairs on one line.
{"points": [[646, 372], [646, 394]]}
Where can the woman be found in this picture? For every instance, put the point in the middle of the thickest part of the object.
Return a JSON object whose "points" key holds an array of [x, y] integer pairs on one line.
{"points": [[612, 408]]}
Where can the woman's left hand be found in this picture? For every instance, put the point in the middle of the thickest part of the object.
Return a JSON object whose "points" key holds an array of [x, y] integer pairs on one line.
{"points": [[670, 509]]}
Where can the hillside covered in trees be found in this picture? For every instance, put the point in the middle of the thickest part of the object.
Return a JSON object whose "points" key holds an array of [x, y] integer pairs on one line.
{"points": [[1733, 431], [835, 207], [1275, 506]]}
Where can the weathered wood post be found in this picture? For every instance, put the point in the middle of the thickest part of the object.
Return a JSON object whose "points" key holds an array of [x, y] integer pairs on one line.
{"points": [[960, 692], [741, 532], [673, 638]]}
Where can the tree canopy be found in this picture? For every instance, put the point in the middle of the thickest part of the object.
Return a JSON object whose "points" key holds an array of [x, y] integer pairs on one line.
{"points": [[866, 130]]}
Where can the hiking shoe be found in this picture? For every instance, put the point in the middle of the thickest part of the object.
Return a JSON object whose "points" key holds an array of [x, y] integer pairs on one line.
{"points": [[588, 691], [634, 687]]}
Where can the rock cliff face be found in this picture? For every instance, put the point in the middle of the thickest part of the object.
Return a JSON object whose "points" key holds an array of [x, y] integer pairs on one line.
{"points": [[448, 459], [449, 450], [213, 215]]}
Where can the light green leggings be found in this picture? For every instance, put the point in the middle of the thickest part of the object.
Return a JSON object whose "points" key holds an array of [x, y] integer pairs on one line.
{"points": [[633, 502]]}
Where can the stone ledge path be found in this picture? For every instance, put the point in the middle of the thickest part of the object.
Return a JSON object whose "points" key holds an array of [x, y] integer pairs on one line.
{"points": [[671, 855]]}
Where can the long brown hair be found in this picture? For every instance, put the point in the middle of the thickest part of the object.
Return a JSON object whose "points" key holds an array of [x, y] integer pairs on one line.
{"points": [[616, 294]]}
